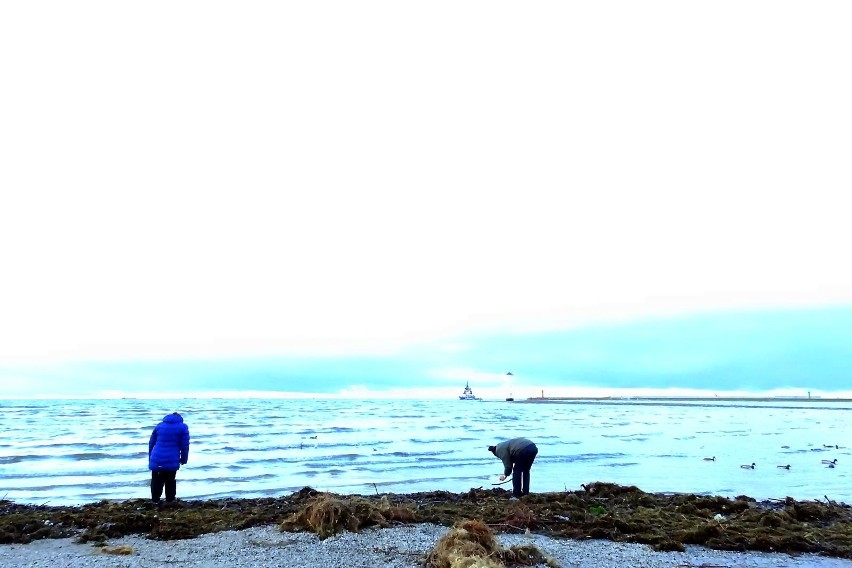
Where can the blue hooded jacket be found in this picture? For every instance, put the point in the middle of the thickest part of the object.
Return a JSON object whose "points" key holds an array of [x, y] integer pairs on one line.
{"points": [[168, 447]]}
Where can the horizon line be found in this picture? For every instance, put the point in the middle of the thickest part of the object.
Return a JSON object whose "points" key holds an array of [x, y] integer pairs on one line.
{"points": [[602, 394]]}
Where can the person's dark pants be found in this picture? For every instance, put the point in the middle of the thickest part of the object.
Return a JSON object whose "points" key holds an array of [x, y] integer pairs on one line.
{"points": [[160, 479], [521, 470]]}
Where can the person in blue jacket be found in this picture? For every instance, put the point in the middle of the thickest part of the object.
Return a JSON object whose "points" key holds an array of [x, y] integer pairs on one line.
{"points": [[168, 449]]}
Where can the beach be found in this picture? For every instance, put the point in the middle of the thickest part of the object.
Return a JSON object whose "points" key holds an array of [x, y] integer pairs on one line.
{"points": [[396, 547], [657, 501], [603, 525]]}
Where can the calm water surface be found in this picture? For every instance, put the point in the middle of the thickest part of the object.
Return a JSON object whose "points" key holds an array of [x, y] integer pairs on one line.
{"points": [[78, 451]]}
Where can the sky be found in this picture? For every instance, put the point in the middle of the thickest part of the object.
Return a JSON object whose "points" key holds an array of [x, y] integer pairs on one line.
{"points": [[338, 196]]}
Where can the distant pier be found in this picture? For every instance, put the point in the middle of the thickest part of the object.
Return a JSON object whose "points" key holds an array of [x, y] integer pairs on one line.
{"points": [[676, 399]]}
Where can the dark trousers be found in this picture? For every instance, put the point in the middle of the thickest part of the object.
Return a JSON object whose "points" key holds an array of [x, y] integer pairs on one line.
{"points": [[521, 470], [160, 479]]}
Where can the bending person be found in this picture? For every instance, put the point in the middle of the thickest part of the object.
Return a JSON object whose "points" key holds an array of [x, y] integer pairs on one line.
{"points": [[517, 455]]}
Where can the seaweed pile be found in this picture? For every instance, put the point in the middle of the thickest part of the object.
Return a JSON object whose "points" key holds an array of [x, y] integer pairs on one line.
{"points": [[328, 514], [598, 510], [472, 544]]}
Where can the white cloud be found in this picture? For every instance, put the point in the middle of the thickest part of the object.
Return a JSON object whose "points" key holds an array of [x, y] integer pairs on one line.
{"points": [[460, 375], [206, 179]]}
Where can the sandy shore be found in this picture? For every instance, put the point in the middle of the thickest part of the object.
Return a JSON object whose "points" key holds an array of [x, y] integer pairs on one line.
{"points": [[398, 547]]}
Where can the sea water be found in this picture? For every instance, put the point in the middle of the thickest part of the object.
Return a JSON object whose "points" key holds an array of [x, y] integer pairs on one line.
{"points": [[79, 451]]}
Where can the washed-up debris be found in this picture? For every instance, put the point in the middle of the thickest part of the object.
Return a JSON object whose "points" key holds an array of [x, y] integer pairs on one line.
{"points": [[599, 510], [120, 550], [471, 544], [329, 514]]}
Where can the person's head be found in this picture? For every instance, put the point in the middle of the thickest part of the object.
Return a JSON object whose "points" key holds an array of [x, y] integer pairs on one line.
{"points": [[493, 449]]}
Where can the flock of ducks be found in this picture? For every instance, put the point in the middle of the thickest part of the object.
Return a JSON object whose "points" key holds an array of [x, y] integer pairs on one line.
{"points": [[826, 463]]}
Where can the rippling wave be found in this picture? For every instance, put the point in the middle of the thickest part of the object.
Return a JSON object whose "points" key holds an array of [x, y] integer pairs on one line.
{"points": [[77, 451]]}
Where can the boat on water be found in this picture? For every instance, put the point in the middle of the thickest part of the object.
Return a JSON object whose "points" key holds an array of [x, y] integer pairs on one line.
{"points": [[468, 393]]}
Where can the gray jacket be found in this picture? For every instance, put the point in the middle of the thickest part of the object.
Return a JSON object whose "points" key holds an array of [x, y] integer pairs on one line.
{"points": [[509, 450]]}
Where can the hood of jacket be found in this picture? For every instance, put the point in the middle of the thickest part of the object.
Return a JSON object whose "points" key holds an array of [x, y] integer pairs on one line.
{"points": [[173, 418]]}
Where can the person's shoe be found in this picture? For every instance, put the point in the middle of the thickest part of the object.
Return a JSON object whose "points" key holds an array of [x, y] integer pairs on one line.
{"points": [[513, 499]]}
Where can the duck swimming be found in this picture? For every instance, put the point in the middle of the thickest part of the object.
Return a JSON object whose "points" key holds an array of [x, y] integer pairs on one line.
{"points": [[748, 466], [710, 459], [784, 466], [832, 462]]}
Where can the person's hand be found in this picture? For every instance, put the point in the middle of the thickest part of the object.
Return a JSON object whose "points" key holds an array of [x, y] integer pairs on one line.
{"points": [[502, 477]]}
